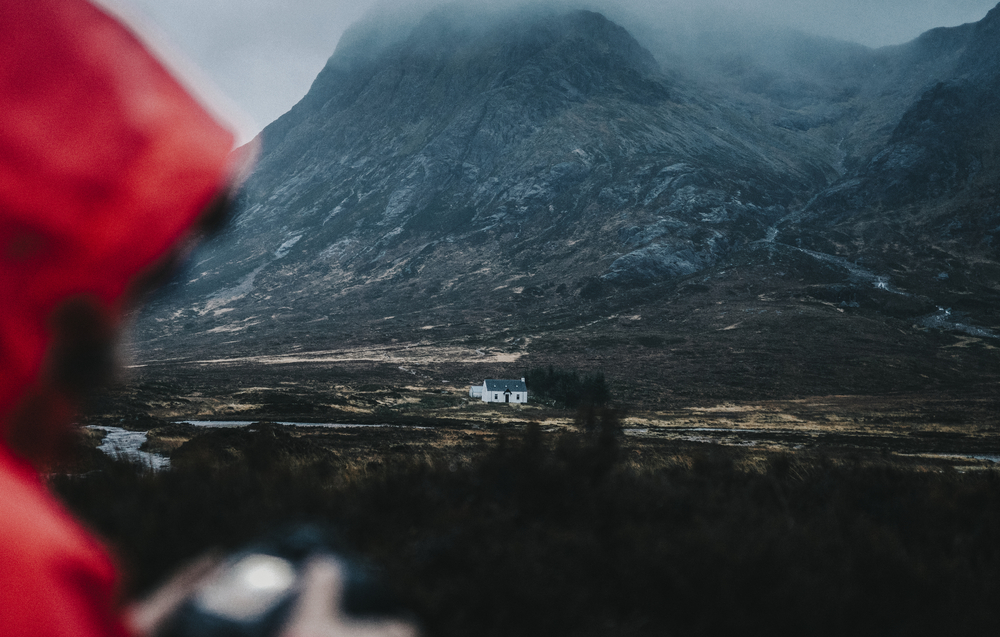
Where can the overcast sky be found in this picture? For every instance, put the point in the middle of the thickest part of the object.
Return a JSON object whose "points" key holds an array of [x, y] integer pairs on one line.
{"points": [[264, 54]]}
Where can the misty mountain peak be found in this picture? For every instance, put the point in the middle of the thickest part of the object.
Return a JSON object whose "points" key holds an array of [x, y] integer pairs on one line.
{"points": [[533, 157], [453, 76], [459, 41]]}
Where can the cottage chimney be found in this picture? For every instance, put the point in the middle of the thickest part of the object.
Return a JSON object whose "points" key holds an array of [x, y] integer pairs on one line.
{"points": [[522, 379]]}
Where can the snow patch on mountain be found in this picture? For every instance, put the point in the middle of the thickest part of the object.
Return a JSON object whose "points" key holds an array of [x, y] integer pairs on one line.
{"points": [[226, 296], [283, 249]]}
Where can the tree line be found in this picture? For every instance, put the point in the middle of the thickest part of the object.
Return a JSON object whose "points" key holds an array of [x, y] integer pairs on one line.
{"points": [[567, 387]]}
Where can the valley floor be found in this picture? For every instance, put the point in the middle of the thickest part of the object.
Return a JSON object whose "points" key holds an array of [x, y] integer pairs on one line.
{"points": [[959, 428], [840, 514]]}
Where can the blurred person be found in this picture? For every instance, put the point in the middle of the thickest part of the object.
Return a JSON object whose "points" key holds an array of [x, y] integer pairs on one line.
{"points": [[110, 171], [107, 165]]}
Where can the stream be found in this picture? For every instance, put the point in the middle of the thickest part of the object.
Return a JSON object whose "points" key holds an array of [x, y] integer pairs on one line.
{"points": [[125, 444], [943, 319], [122, 443]]}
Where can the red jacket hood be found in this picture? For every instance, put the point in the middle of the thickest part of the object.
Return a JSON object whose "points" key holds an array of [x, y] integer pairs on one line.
{"points": [[105, 162]]}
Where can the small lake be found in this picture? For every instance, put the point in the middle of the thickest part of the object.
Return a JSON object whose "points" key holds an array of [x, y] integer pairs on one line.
{"points": [[244, 423], [798, 439]]}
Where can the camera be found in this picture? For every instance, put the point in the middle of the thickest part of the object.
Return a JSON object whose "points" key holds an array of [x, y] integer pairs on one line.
{"points": [[257, 588]]}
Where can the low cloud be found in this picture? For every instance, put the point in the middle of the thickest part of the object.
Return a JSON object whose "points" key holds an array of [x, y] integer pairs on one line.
{"points": [[265, 53]]}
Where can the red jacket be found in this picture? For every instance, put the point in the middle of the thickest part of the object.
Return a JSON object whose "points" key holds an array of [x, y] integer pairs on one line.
{"points": [[105, 162], [54, 578]]}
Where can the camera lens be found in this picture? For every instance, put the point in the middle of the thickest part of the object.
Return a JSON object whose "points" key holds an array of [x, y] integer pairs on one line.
{"points": [[248, 589]]}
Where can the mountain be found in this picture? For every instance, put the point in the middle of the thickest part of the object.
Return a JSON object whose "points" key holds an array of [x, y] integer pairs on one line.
{"points": [[539, 182], [922, 207]]}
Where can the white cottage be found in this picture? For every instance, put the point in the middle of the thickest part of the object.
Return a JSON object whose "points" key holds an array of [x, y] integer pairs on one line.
{"points": [[501, 391]]}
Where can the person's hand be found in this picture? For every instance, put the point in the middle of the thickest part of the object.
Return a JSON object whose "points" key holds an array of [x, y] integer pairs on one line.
{"points": [[146, 616], [317, 613]]}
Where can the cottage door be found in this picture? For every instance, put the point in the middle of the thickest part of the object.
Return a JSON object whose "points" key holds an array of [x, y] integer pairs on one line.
{"points": [[506, 396]]}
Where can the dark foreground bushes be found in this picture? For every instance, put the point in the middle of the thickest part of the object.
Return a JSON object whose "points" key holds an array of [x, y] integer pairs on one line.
{"points": [[580, 534]]}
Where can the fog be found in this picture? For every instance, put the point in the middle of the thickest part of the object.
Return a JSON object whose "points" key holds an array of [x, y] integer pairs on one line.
{"points": [[264, 54]]}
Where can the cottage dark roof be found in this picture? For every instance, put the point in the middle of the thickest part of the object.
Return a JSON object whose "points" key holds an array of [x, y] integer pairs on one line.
{"points": [[493, 384]]}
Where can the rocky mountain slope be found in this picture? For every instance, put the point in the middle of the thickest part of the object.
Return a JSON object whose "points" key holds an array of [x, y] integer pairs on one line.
{"points": [[546, 173], [922, 206]]}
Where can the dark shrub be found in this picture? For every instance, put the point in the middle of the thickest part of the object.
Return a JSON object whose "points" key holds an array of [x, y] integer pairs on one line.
{"points": [[567, 387]]}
